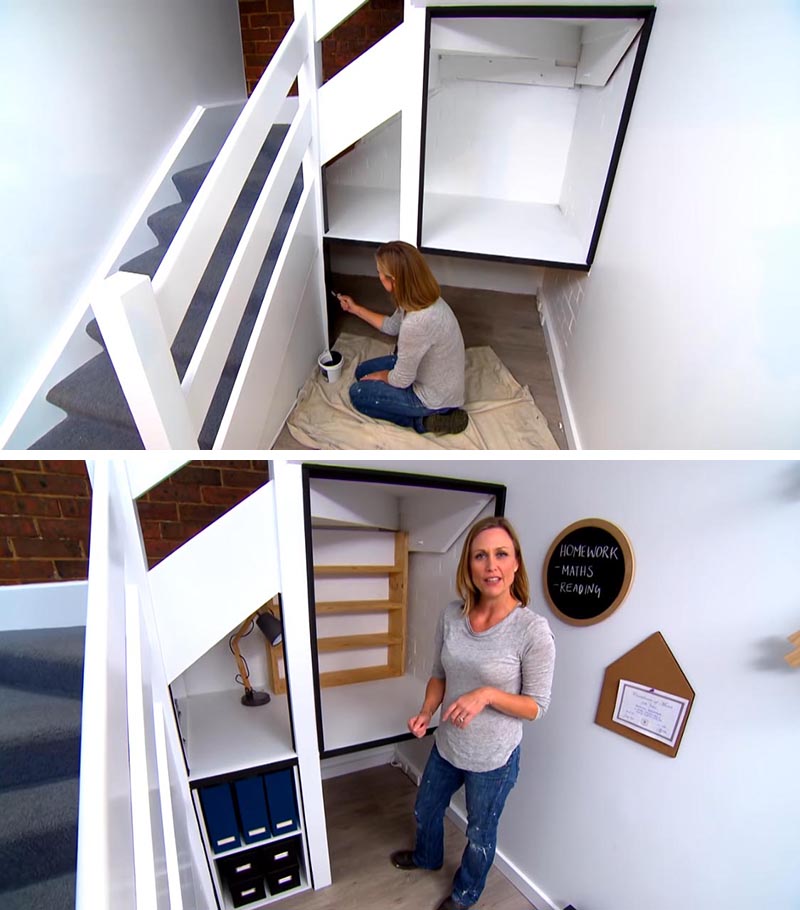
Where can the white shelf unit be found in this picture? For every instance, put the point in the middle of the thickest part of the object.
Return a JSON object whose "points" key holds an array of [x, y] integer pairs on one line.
{"points": [[522, 128], [216, 860], [224, 740]]}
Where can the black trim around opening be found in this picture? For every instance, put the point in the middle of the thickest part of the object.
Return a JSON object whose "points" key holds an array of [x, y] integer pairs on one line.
{"points": [[646, 13], [367, 475]]}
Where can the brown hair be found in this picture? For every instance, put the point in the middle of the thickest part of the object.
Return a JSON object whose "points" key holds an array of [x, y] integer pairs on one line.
{"points": [[464, 583], [415, 288]]}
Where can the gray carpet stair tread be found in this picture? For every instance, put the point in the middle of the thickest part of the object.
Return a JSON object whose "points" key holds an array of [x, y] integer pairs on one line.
{"points": [[43, 658], [38, 732], [146, 263], [82, 434], [39, 831], [94, 391], [98, 416], [165, 222], [56, 893], [188, 181]]}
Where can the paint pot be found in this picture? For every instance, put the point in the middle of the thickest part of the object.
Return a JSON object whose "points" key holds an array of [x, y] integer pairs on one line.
{"points": [[330, 362]]}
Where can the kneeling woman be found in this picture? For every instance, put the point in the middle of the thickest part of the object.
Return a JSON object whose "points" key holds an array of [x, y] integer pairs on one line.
{"points": [[422, 384]]}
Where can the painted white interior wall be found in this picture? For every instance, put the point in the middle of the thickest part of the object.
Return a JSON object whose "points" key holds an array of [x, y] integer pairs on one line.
{"points": [[685, 333], [596, 819], [99, 94]]}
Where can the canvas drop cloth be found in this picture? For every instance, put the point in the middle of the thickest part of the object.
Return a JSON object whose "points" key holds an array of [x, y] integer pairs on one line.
{"points": [[502, 413]]}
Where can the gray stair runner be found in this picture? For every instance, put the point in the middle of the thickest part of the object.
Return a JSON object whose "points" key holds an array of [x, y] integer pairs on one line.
{"points": [[98, 416], [41, 678]]}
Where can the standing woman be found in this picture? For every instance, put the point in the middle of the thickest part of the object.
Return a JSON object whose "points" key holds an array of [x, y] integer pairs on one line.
{"points": [[422, 384], [492, 671]]}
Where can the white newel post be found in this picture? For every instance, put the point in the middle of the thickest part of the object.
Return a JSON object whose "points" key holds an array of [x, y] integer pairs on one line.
{"points": [[292, 556], [412, 79], [309, 80], [127, 313]]}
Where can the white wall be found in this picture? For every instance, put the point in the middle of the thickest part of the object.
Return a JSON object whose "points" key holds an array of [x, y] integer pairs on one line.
{"points": [[598, 820], [98, 93], [685, 333]]}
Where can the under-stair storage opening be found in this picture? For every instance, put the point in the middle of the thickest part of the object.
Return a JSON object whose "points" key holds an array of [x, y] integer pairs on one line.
{"points": [[385, 547], [525, 115], [362, 188], [220, 734], [252, 829]]}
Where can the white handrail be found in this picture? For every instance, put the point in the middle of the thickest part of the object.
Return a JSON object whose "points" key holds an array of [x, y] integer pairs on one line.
{"points": [[208, 360], [187, 257]]}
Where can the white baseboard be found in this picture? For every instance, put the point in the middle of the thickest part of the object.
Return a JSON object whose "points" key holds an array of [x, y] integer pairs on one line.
{"points": [[557, 369], [356, 761], [513, 873]]}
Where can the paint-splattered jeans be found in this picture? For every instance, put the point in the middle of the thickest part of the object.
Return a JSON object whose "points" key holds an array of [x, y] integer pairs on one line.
{"points": [[486, 793], [385, 402]]}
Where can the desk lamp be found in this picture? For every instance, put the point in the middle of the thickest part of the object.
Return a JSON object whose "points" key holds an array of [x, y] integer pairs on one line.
{"points": [[270, 626]]}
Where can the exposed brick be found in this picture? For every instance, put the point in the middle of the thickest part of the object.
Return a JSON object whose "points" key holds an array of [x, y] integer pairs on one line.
{"points": [[181, 531], [27, 570], [27, 505], [71, 569], [32, 465], [66, 467], [200, 513], [34, 548], [248, 479], [162, 511], [268, 20], [18, 527], [151, 530], [75, 508], [53, 484], [175, 492], [7, 482], [223, 496], [63, 528], [253, 6], [5, 549], [158, 549]]}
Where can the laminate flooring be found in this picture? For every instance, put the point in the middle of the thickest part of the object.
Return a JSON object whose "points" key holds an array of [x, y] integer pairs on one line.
{"points": [[508, 323], [369, 816]]}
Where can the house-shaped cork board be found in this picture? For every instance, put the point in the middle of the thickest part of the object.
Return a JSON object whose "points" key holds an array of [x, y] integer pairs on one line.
{"points": [[649, 664]]}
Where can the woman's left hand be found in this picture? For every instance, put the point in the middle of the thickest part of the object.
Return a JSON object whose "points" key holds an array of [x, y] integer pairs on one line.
{"points": [[379, 376], [461, 712]]}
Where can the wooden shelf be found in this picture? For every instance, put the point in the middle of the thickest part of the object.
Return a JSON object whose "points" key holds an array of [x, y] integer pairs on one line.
{"points": [[356, 606], [355, 675], [350, 642], [354, 571]]}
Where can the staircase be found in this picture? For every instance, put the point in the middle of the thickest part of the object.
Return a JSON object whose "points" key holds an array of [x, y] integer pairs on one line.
{"points": [[41, 677], [98, 416]]}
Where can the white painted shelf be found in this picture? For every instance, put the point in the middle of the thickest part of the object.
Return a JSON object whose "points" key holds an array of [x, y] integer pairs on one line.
{"points": [[223, 736], [363, 213], [368, 712], [496, 227]]}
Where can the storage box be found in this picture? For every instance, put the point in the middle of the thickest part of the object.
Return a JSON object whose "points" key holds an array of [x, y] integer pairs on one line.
{"points": [[246, 891], [281, 855], [283, 879]]}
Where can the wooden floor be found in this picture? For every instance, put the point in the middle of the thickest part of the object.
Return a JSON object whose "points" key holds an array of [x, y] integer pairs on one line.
{"points": [[370, 815], [508, 323]]}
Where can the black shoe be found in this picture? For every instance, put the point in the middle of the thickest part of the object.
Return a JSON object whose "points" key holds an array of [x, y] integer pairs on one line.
{"points": [[455, 421], [449, 904], [404, 859]]}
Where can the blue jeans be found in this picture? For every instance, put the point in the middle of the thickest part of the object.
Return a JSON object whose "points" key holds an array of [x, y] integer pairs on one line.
{"points": [[486, 793], [385, 402]]}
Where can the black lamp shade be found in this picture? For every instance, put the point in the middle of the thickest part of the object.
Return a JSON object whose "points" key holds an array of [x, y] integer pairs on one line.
{"points": [[271, 628]]}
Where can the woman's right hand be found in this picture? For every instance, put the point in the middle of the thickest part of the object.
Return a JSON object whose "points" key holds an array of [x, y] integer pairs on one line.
{"points": [[418, 724], [347, 303]]}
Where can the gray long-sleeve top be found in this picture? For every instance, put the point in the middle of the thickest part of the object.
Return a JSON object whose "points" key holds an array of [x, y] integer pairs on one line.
{"points": [[517, 656], [430, 354]]}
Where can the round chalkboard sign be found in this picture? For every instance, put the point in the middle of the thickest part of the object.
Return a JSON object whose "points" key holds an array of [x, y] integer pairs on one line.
{"points": [[588, 571]]}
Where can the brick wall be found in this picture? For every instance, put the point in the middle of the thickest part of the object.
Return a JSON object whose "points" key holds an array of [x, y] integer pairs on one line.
{"points": [[265, 22], [45, 509]]}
